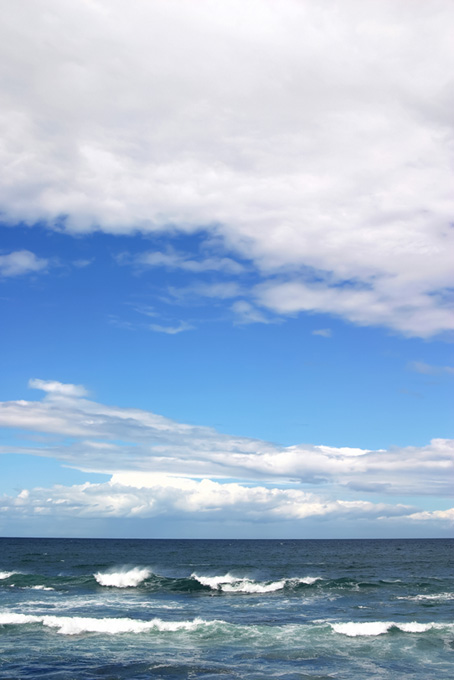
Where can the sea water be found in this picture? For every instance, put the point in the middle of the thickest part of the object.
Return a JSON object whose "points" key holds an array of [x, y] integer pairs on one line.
{"points": [[343, 609]]}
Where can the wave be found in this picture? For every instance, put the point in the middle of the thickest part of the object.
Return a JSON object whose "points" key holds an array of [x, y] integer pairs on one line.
{"points": [[75, 625], [235, 584], [127, 578], [437, 597], [374, 628], [143, 577]]}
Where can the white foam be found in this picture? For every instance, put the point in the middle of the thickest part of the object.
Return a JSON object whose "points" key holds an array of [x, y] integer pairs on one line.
{"points": [[368, 628], [436, 597], [215, 582], [75, 625], [308, 580], [129, 578], [247, 586], [38, 588], [373, 628], [6, 574], [236, 584]]}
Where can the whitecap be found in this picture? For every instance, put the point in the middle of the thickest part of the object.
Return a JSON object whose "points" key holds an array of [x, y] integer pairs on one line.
{"points": [[75, 625], [440, 597], [125, 578], [247, 586], [6, 574], [237, 584], [215, 582], [373, 628], [308, 580]]}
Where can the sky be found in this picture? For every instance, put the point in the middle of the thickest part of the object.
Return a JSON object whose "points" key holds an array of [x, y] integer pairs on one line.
{"points": [[227, 269]]}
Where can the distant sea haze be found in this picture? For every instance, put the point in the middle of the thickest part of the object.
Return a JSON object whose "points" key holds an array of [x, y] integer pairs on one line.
{"points": [[136, 609]]}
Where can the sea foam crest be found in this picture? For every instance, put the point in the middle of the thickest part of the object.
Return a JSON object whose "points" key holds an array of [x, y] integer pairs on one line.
{"points": [[6, 574], [421, 598], [236, 584], [124, 578], [75, 625], [373, 628]]}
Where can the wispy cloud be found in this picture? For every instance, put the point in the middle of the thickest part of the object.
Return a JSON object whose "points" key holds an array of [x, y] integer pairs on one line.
{"points": [[430, 369], [323, 332], [112, 439], [177, 260], [246, 313], [171, 330]]}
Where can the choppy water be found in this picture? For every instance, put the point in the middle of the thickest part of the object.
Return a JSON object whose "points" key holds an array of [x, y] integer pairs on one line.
{"points": [[76, 608]]}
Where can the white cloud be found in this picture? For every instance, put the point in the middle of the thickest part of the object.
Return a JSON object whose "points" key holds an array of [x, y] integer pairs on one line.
{"points": [[143, 496], [444, 515], [413, 314], [55, 387], [21, 262], [323, 332], [305, 136], [112, 440]]}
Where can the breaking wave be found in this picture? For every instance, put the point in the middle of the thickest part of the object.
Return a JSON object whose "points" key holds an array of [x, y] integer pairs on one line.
{"points": [[129, 578], [373, 628], [434, 597], [236, 584], [75, 625]]}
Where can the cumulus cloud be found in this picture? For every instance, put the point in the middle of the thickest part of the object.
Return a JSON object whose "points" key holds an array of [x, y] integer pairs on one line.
{"points": [[307, 137], [21, 262], [145, 497], [112, 440], [427, 515]]}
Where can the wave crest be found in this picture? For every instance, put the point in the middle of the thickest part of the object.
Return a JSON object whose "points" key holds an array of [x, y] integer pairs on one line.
{"points": [[374, 628], [125, 578], [236, 584], [75, 625]]}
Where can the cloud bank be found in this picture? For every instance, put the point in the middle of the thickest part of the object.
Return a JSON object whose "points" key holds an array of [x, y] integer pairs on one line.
{"points": [[161, 467], [314, 139]]}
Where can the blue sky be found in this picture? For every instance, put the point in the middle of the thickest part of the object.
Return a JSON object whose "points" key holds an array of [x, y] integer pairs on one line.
{"points": [[226, 270]]}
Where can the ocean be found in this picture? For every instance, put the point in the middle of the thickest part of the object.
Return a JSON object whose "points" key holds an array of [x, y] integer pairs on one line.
{"points": [[75, 609]]}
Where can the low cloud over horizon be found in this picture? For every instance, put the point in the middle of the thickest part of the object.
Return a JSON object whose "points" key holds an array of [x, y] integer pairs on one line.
{"points": [[159, 467]]}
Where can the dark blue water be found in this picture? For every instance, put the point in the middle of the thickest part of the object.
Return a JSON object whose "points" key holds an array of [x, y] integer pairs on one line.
{"points": [[76, 608]]}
